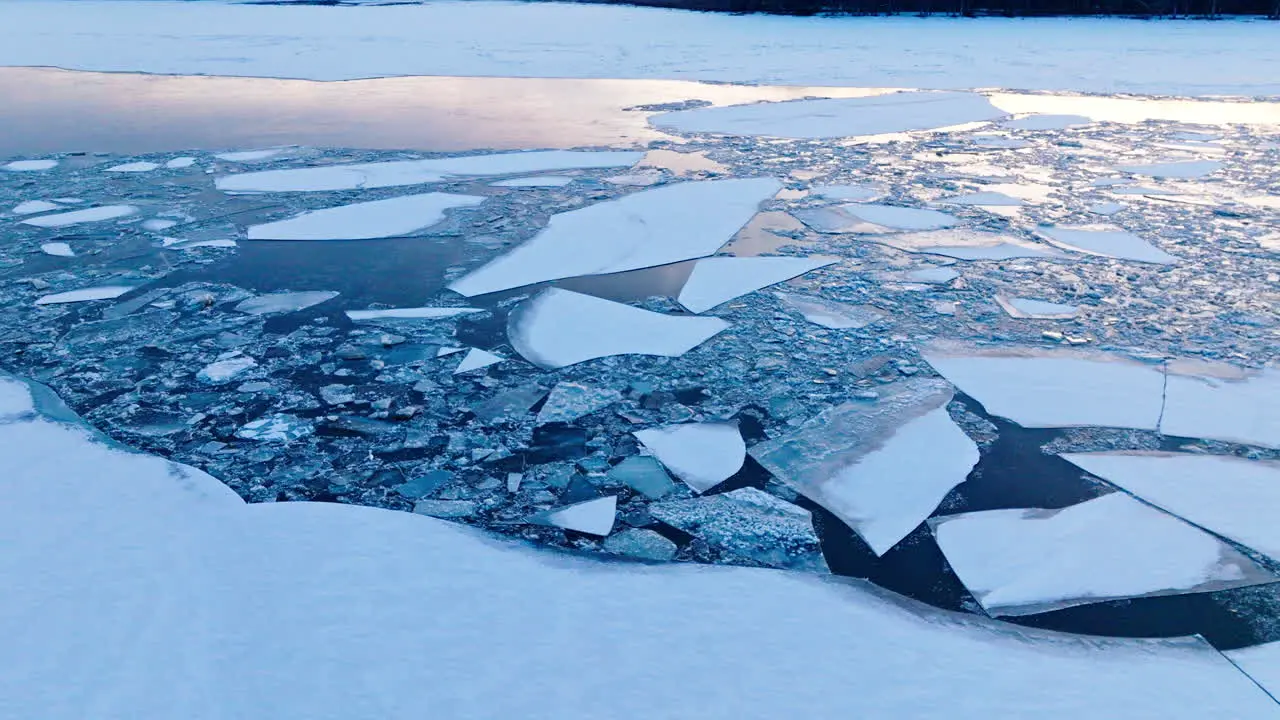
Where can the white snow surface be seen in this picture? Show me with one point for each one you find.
(365, 220)
(416, 313)
(1224, 494)
(719, 279)
(180, 163)
(1021, 562)
(1107, 242)
(557, 328)
(702, 455)
(138, 589)
(1260, 662)
(1244, 410)
(654, 227)
(34, 206)
(101, 292)
(28, 165)
(97, 214)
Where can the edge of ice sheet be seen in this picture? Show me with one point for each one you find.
(365, 220)
(557, 328)
(653, 227)
(718, 280)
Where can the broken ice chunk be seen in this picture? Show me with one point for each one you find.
(703, 455)
(250, 155)
(1021, 562)
(446, 508)
(180, 163)
(881, 467)
(510, 403)
(648, 228)
(158, 224)
(224, 371)
(720, 279)
(1058, 388)
(57, 249)
(1046, 122)
(1039, 309)
(1221, 493)
(640, 544)
(475, 359)
(829, 314)
(932, 275)
(133, 167)
(365, 220)
(994, 199)
(967, 245)
(748, 526)
(1107, 242)
(104, 292)
(97, 214)
(569, 401)
(1192, 169)
(1105, 208)
(284, 302)
(409, 314)
(29, 165)
(594, 517)
(276, 428)
(644, 475)
(1223, 403)
(852, 193)
(537, 181)
(31, 207)
(557, 328)
(873, 219)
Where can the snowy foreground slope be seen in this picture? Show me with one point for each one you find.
(135, 588)
(567, 40)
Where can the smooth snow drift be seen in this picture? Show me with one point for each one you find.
(362, 221)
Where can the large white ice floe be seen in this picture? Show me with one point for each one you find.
(535, 181)
(1183, 169)
(284, 302)
(873, 219)
(1227, 495)
(882, 467)
(396, 173)
(101, 292)
(1107, 242)
(1054, 388)
(29, 165)
(1223, 403)
(839, 117)
(133, 167)
(964, 244)
(829, 313)
(362, 221)
(57, 249)
(97, 214)
(413, 314)
(703, 455)
(720, 279)
(594, 517)
(31, 207)
(123, 572)
(654, 227)
(1022, 562)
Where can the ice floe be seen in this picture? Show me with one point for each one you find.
(31, 207)
(475, 359)
(643, 474)
(831, 314)
(97, 214)
(57, 249)
(362, 221)
(557, 328)
(102, 292)
(1105, 208)
(1226, 495)
(29, 165)
(851, 193)
(180, 163)
(882, 467)
(244, 156)
(992, 199)
(1188, 169)
(1038, 309)
(224, 371)
(133, 167)
(1021, 562)
(594, 517)
(396, 173)
(648, 228)
(839, 117)
(409, 314)
(284, 302)
(1236, 406)
(569, 401)
(278, 428)
(748, 526)
(968, 245)
(641, 544)
(1046, 122)
(1107, 242)
(872, 219)
(720, 279)
(537, 181)
(703, 455)
(1059, 388)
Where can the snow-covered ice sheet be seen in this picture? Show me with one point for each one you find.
(101, 292)
(1233, 497)
(409, 314)
(57, 249)
(703, 455)
(1189, 169)
(97, 214)
(1021, 562)
(180, 163)
(31, 207)
(536, 181)
(557, 328)
(29, 165)
(1239, 407)
(224, 371)
(569, 401)
(1039, 309)
(720, 279)
(1107, 242)
(851, 193)
(882, 467)
(980, 199)
(284, 302)
(133, 167)
(1054, 388)
(645, 229)
(835, 117)
(140, 589)
(1260, 662)
(365, 220)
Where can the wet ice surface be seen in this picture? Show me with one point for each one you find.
(348, 371)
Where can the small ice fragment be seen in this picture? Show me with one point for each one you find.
(103, 292)
(337, 394)
(34, 206)
(513, 481)
(409, 314)
(510, 404)
(446, 508)
(557, 328)
(423, 485)
(365, 220)
(1105, 208)
(224, 371)
(97, 214)
(537, 181)
(1039, 309)
(448, 351)
(276, 428)
(29, 165)
(57, 249)
(641, 544)
(830, 314)
(250, 155)
(476, 359)
(703, 455)
(873, 219)
(284, 302)
(644, 475)
(176, 244)
(881, 467)
(994, 199)
(594, 517)
(133, 167)
(180, 163)
(1107, 242)
(1046, 122)
(569, 401)
(1185, 170)
(851, 193)
(1027, 561)
(932, 275)
(999, 142)
(158, 224)
(748, 526)
(720, 279)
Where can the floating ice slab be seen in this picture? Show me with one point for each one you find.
(748, 525)
(365, 220)
(557, 328)
(1059, 388)
(881, 467)
(224, 371)
(833, 118)
(409, 314)
(932, 275)
(103, 292)
(720, 279)
(537, 181)
(831, 314)
(415, 172)
(276, 428)
(250, 155)
(31, 207)
(476, 359)
(594, 517)
(1191, 169)
(284, 302)
(993, 199)
(133, 167)
(97, 214)
(1037, 309)
(180, 163)
(703, 455)
(644, 475)
(1105, 208)
(648, 228)
(1022, 562)
(29, 165)
(569, 401)
(1224, 494)
(852, 193)
(967, 245)
(57, 249)
(1046, 122)
(873, 219)
(641, 544)
(1241, 407)
(1106, 242)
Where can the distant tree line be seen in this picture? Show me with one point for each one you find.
(974, 8)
